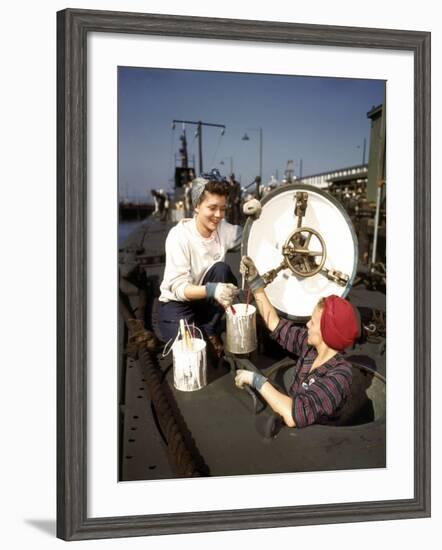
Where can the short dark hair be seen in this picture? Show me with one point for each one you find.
(216, 188)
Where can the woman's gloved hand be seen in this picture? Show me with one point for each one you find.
(247, 268)
(252, 208)
(223, 293)
(253, 379)
(243, 377)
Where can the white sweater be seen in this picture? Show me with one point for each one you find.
(189, 255)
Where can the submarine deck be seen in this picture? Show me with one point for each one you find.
(218, 431)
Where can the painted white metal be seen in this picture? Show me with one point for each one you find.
(294, 295)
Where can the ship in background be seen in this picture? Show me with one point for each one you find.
(164, 433)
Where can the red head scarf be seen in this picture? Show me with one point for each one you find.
(339, 324)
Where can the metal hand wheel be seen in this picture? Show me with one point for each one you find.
(299, 258)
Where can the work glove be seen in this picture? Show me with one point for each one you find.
(253, 379)
(247, 268)
(252, 208)
(223, 293)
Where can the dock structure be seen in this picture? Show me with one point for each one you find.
(134, 210)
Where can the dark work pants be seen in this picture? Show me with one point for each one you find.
(206, 314)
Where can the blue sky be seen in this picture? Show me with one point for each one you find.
(322, 121)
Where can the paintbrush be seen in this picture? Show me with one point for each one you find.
(189, 336)
(184, 335)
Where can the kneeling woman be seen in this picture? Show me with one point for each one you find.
(319, 384)
(198, 285)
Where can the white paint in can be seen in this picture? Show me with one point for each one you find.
(189, 365)
(241, 329)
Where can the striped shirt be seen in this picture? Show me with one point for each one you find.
(318, 396)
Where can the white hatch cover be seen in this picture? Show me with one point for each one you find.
(307, 237)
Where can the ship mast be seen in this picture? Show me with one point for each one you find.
(199, 125)
(183, 150)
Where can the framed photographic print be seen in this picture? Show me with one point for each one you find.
(315, 141)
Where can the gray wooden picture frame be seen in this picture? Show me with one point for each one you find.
(73, 27)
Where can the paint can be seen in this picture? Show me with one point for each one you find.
(241, 329)
(189, 363)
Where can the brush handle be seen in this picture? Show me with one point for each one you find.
(248, 299)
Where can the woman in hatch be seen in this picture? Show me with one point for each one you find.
(198, 285)
(319, 384)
